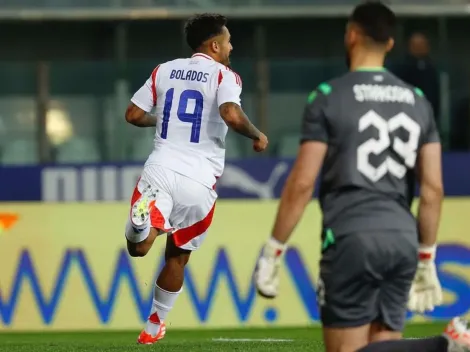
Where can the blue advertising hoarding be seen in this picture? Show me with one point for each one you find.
(259, 178)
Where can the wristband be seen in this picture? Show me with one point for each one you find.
(274, 248)
(427, 252)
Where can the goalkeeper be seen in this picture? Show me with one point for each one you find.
(368, 131)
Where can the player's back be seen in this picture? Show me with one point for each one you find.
(376, 125)
(190, 135)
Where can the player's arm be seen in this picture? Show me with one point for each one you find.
(138, 111)
(138, 117)
(298, 189)
(431, 187)
(236, 119)
(426, 291)
(296, 194)
(299, 186)
(228, 99)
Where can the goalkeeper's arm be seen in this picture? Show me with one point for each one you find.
(426, 291)
(431, 193)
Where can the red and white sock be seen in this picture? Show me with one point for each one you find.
(163, 302)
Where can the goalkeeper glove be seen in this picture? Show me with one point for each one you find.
(426, 291)
(266, 274)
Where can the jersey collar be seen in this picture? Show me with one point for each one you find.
(371, 69)
(202, 55)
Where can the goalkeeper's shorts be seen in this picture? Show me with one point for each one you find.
(366, 277)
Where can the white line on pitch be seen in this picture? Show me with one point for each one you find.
(223, 339)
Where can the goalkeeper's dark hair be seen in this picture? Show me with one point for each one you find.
(376, 20)
(202, 27)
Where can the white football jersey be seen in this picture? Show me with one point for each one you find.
(190, 134)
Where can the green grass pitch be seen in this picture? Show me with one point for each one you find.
(246, 340)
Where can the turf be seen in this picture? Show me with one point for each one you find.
(300, 339)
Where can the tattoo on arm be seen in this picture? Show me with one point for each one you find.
(138, 117)
(149, 120)
(234, 116)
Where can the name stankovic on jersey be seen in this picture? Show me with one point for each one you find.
(383, 93)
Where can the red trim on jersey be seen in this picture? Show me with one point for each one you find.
(154, 85)
(202, 55)
(183, 236)
(238, 79)
(220, 77)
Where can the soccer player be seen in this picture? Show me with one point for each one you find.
(368, 131)
(195, 99)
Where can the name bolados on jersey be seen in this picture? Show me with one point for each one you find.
(186, 95)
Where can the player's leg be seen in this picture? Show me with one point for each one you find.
(380, 332)
(347, 293)
(168, 287)
(385, 334)
(191, 216)
(394, 291)
(151, 205)
(345, 339)
(433, 344)
(141, 248)
(456, 338)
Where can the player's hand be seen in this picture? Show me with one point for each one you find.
(259, 145)
(267, 269)
(426, 290)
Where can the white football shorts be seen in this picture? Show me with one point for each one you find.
(183, 207)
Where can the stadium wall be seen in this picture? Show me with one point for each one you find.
(65, 267)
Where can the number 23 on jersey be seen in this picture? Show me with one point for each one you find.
(407, 151)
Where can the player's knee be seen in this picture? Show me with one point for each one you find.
(349, 348)
(177, 262)
(137, 249)
(381, 332)
(345, 339)
(346, 347)
(175, 255)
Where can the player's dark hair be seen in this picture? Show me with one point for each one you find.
(376, 20)
(202, 27)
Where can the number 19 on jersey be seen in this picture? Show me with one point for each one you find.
(193, 118)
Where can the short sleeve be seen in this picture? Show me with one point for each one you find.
(314, 126)
(431, 134)
(146, 97)
(229, 87)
